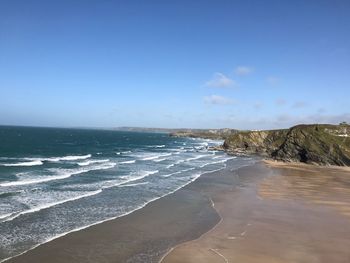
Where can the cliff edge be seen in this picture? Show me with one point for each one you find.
(323, 144)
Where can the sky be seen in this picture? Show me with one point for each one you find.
(195, 64)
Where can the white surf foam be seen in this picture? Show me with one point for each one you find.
(128, 162)
(220, 161)
(63, 174)
(67, 158)
(92, 162)
(156, 146)
(153, 157)
(195, 177)
(170, 165)
(32, 163)
(159, 160)
(178, 172)
(195, 158)
(5, 215)
(131, 178)
(45, 206)
(130, 185)
(57, 159)
(149, 158)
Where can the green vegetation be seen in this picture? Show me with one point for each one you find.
(216, 134)
(317, 143)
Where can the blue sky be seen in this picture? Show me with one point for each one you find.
(201, 64)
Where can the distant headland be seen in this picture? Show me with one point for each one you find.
(322, 144)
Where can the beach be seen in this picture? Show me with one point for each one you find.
(295, 213)
(266, 212)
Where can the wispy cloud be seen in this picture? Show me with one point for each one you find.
(281, 102)
(218, 100)
(273, 81)
(283, 120)
(299, 105)
(219, 80)
(290, 120)
(258, 105)
(243, 70)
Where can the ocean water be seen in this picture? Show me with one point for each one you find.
(55, 181)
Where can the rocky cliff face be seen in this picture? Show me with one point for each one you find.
(321, 144)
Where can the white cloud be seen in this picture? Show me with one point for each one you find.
(218, 100)
(219, 80)
(243, 70)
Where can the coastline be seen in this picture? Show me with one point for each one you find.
(272, 211)
(295, 213)
(196, 216)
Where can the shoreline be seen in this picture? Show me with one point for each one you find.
(297, 213)
(37, 249)
(202, 221)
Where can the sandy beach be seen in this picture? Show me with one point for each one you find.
(267, 212)
(296, 213)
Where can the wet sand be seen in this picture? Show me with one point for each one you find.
(142, 236)
(267, 212)
(295, 213)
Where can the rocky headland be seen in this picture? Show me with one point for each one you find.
(322, 144)
(215, 134)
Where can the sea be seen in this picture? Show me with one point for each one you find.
(54, 181)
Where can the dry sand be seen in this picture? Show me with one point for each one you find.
(298, 213)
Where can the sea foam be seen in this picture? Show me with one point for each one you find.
(61, 174)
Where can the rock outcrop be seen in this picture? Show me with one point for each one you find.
(322, 144)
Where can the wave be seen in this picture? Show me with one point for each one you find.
(130, 185)
(178, 172)
(67, 158)
(35, 161)
(159, 160)
(129, 179)
(170, 165)
(5, 215)
(128, 162)
(221, 161)
(32, 163)
(153, 157)
(150, 158)
(195, 158)
(156, 146)
(66, 174)
(92, 162)
(38, 208)
(195, 177)
(11, 193)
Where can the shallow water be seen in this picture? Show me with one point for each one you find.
(54, 181)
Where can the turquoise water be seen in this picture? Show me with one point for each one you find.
(54, 181)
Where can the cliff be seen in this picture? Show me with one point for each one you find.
(318, 143)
